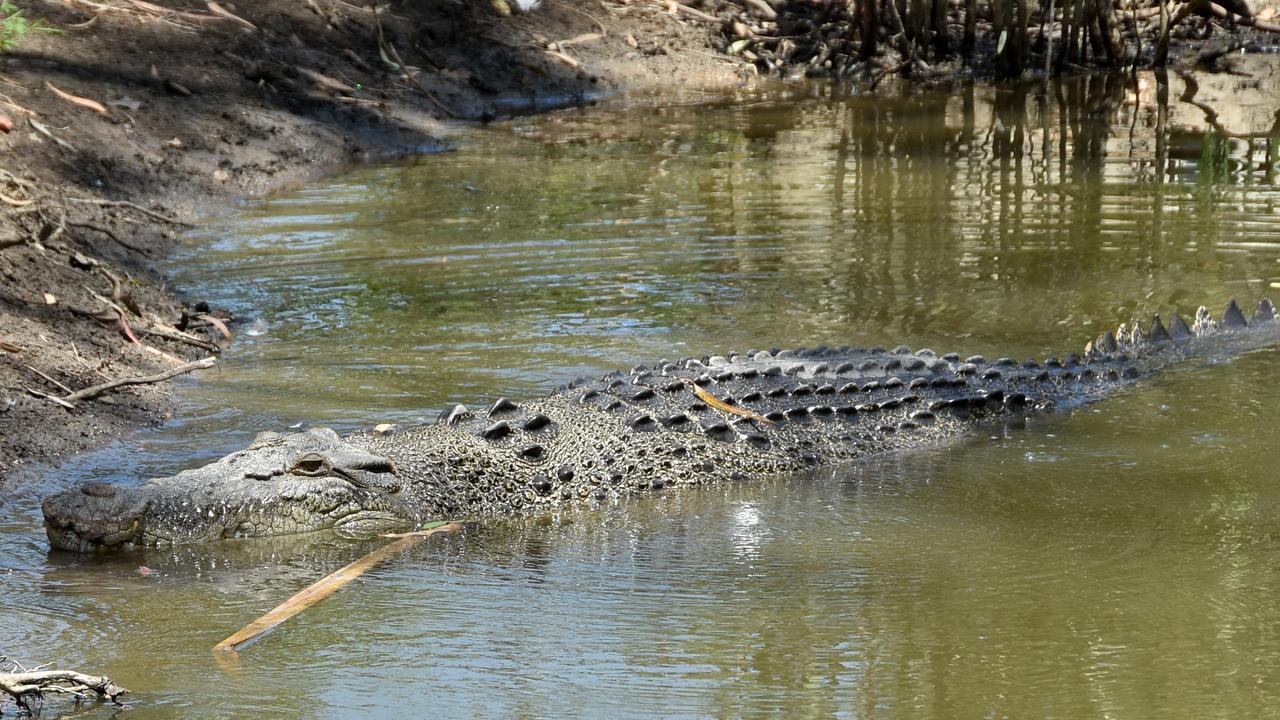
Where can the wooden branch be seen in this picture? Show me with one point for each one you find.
(672, 7)
(108, 233)
(323, 588)
(1223, 14)
(96, 390)
(125, 203)
(51, 398)
(29, 685)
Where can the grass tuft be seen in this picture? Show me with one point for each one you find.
(13, 25)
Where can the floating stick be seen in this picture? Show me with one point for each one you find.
(227, 650)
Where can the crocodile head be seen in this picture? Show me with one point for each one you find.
(281, 484)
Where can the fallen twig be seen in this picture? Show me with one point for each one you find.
(15, 106)
(44, 130)
(96, 390)
(323, 588)
(217, 9)
(125, 203)
(1222, 13)
(673, 6)
(108, 233)
(52, 398)
(61, 387)
(156, 327)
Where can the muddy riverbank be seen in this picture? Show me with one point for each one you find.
(133, 121)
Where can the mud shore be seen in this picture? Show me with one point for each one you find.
(135, 121)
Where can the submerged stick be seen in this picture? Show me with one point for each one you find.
(323, 588)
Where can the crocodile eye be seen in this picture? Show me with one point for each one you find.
(310, 464)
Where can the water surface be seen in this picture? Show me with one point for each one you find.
(1118, 562)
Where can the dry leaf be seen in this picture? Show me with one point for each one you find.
(631, 40)
(50, 299)
(83, 102)
(128, 331)
(6, 123)
(566, 59)
(383, 428)
(10, 347)
(222, 327)
(721, 405)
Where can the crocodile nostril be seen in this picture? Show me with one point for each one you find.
(98, 489)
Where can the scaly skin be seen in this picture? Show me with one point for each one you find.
(625, 433)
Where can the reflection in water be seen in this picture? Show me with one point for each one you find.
(1117, 562)
(1006, 218)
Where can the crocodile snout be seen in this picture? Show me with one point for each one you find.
(94, 516)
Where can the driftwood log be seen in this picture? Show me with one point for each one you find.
(28, 688)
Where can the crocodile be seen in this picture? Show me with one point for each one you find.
(675, 423)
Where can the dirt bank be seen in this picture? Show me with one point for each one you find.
(136, 119)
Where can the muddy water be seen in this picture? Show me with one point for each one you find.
(1117, 562)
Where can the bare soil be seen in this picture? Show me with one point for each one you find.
(139, 118)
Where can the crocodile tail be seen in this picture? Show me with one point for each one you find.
(1230, 333)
